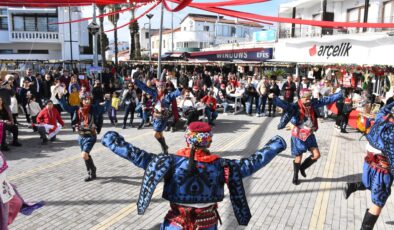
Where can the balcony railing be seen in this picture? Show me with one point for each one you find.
(37, 36)
(311, 31)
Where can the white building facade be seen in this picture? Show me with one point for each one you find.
(30, 34)
(198, 31)
(307, 44)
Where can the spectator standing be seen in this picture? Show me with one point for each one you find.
(130, 101)
(273, 88)
(263, 90)
(46, 87)
(289, 89)
(115, 102)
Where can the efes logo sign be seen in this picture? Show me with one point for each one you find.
(328, 51)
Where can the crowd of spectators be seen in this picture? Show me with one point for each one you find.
(36, 96)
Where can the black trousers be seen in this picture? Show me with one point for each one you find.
(13, 129)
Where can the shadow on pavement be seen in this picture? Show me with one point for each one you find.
(121, 179)
(348, 178)
(279, 193)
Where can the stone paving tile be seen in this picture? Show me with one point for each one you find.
(275, 203)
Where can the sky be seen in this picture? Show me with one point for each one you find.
(267, 8)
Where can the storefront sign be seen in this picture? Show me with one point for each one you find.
(354, 49)
(264, 36)
(256, 54)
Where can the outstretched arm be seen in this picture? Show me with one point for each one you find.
(327, 100)
(281, 103)
(65, 106)
(145, 88)
(120, 147)
(262, 157)
(383, 112)
(100, 108)
(171, 96)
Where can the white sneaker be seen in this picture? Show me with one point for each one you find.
(257, 115)
(262, 115)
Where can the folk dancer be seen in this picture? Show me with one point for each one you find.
(378, 170)
(194, 178)
(86, 119)
(163, 101)
(303, 117)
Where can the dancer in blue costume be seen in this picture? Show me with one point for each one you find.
(378, 169)
(86, 117)
(194, 178)
(163, 101)
(303, 117)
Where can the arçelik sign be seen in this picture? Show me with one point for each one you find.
(328, 51)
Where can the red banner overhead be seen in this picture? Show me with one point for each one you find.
(325, 24)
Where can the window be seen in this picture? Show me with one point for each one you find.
(146, 35)
(184, 28)
(6, 52)
(33, 52)
(388, 12)
(34, 22)
(206, 28)
(233, 31)
(164, 44)
(3, 19)
(355, 14)
(18, 23)
(3, 23)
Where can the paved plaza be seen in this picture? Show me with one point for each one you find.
(55, 173)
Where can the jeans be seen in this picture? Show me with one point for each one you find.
(271, 106)
(249, 104)
(262, 103)
(225, 106)
(211, 114)
(129, 109)
(112, 115)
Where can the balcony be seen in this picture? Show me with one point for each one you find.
(34, 36)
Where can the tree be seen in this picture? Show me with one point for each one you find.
(102, 35)
(132, 43)
(114, 20)
(137, 52)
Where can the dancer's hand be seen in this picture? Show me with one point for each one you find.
(271, 95)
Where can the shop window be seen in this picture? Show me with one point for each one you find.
(206, 28)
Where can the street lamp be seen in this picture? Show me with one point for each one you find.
(94, 28)
(150, 16)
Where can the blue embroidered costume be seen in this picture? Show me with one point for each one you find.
(86, 118)
(194, 179)
(161, 109)
(303, 117)
(378, 169)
